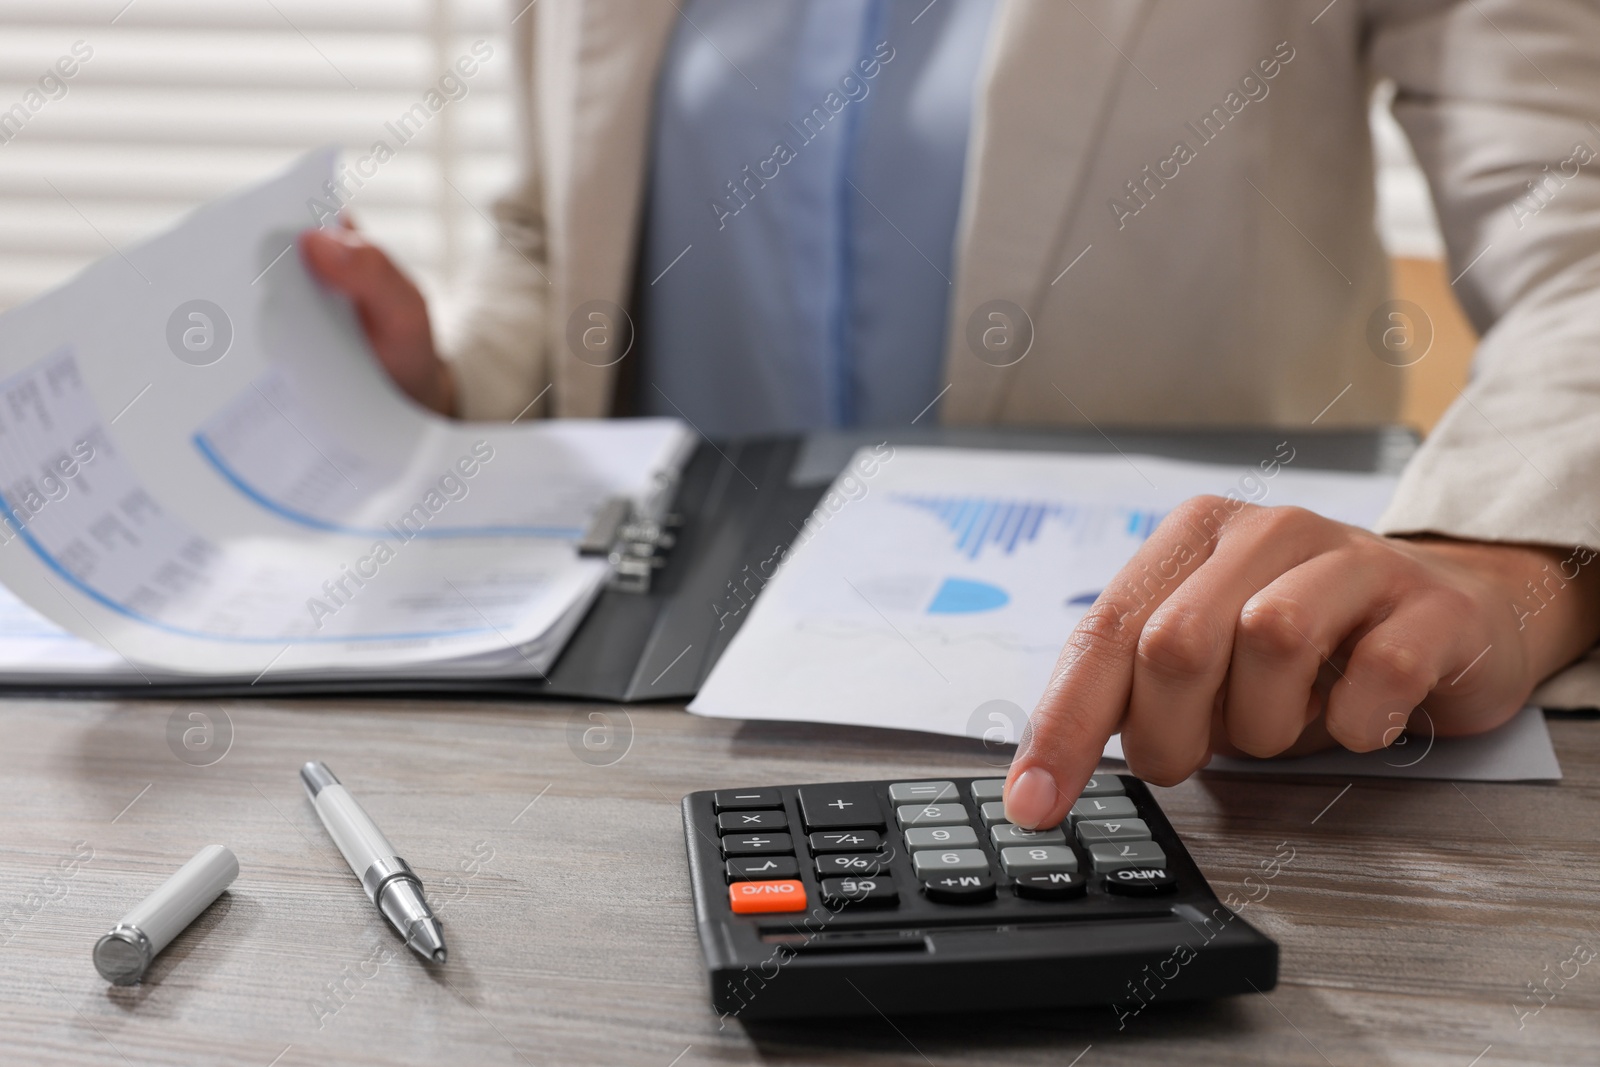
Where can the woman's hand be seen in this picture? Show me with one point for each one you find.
(393, 313)
(1266, 631)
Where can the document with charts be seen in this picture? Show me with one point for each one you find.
(935, 592)
(204, 472)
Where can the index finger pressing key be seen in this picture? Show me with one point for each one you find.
(1088, 692)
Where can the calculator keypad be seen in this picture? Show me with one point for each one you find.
(932, 901)
(961, 848)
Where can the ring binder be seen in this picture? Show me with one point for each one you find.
(633, 544)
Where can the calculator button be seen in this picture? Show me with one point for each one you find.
(754, 898)
(1104, 808)
(1026, 859)
(837, 892)
(845, 841)
(1052, 885)
(747, 799)
(1093, 831)
(1114, 857)
(922, 792)
(1140, 881)
(832, 807)
(748, 868)
(731, 821)
(940, 837)
(959, 888)
(1005, 834)
(988, 789)
(994, 811)
(931, 815)
(842, 863)
(1103, 785)
(933, 862)
(752, 844)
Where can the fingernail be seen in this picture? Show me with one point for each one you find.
(342, 245)
(323, 253)
(1030, 798)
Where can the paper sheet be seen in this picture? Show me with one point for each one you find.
(203, 469)
(934, 588)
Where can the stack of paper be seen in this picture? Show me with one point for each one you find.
(203, 472)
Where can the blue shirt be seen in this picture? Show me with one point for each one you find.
(801, 214)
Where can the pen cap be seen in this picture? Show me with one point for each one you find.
(123, 955)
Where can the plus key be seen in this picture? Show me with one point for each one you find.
(830, 807)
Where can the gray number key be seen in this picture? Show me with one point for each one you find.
(1114, 857)
(1104, 808)
(1103, 785)
(931, 815)
(931, 862)
(1006, 834)
(1020, 859)
(940, 837)
(1095, 831)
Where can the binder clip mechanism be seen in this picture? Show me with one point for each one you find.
(635, 545)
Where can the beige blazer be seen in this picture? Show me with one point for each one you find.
(1176, 199)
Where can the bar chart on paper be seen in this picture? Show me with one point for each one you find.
(980, 523)
(955, 579)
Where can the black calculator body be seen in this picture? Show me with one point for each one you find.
(856, 898)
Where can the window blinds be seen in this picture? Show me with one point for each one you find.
(171, 103)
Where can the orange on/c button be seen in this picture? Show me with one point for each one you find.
(753, 898)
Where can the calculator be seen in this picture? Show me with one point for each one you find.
(859, 898)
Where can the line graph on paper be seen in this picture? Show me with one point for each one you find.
(981, 524)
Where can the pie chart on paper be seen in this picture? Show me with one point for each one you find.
(966, 596)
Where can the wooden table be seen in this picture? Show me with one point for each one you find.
(1412, 916)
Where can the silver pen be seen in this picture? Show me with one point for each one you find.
(389, 881)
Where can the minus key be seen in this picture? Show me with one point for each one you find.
(748, 799)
